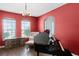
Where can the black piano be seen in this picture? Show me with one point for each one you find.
(53, 48)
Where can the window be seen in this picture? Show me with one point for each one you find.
(25, 25)
(49, 24)
(9, 28)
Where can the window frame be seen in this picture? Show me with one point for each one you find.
(29, 28)
(6, 18)
(53, 19)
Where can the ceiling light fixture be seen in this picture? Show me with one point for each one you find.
(25, 12)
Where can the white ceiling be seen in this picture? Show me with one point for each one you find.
(36, 9)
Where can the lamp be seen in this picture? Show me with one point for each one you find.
(25, 12)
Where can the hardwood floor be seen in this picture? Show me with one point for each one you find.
(20, 51)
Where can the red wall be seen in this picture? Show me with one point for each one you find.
(18, 18)
(66, 25)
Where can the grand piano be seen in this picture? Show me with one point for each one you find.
(43, 44)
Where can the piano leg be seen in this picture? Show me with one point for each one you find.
(37, 53)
